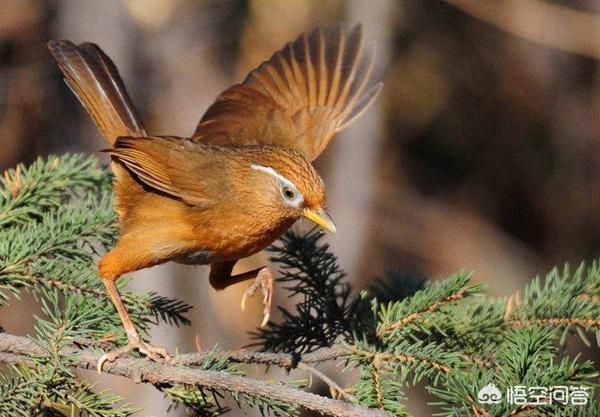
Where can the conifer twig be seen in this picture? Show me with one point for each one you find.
(334, 388)
(377, 357)
(17, 349)
(556, 322)
(431, 308)
(477, 361)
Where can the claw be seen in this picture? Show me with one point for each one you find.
(111, 356)
(264, 281)
(250, 291)
(266, 315)
(152, 352)
(243, 302)
(101, 361)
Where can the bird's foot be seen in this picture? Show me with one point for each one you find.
(264, 281)
(155, 353)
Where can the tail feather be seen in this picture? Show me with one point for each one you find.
(95, 81)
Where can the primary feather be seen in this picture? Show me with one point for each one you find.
(313, 88)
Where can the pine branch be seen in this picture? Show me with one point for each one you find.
(378, 389)
(527, 357)
(564, 300)
(585, 323)
(61, 217)
(335, 390)
(327, 310)
(423, 357)
(425, 302)
(283, 360)
(66, 233)
(56, 218)
(142, 370)
(26, 193)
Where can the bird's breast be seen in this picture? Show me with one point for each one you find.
(233, 235)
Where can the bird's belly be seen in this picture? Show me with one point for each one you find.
(196, 257)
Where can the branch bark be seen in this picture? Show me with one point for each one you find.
(282, 360)
(18, 350)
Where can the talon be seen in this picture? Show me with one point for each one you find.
(111, 356)
(250, 291)
(265, 319)
(152, 352)
(101, 361)
(264, 281)
(243, 302)
(155, 353)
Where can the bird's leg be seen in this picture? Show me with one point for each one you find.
(220, 278)
(264, 281)
(135, 340)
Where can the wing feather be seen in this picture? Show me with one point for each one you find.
(311, 89)
(336, 45)
(174, 166)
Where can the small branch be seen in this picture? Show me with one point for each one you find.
(50, 282)
(379, 356)
(377, 380)
(17, 349)
(585, 323)
(523, 408)
(478, 361)
(334, 388)
(430, 309)
(477, 410)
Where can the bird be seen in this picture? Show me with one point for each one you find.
(240, 180)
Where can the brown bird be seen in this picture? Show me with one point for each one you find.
(243, 177)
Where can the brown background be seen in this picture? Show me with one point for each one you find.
(483, 152)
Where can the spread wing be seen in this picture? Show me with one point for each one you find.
(175, 166)
(300, 98)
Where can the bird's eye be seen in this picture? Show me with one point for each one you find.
(289, 193)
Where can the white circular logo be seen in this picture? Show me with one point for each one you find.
(489, 394)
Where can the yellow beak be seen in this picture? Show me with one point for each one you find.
(320, 217)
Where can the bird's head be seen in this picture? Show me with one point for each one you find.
(290, 185)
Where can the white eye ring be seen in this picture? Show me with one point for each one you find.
(288, 193)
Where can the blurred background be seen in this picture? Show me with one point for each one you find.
(482, 153)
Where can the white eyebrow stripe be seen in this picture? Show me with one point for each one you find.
(272, 172)
(299, 199)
